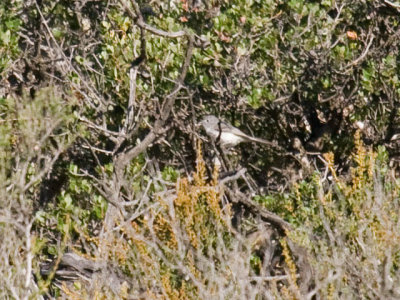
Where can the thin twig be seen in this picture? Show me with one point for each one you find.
(65, 58)
(272, 278)
(136, 15)
(395, 5)
(362, 56)
(127, 156)
(132, 96)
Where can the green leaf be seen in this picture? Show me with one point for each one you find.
(170, 174)
(52, 250)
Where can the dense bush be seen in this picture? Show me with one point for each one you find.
(107, 191)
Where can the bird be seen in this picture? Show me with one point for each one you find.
(226, 134)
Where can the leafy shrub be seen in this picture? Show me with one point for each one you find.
(349, 226)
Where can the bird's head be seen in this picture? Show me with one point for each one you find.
(208, 120)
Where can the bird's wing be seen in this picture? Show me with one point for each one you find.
(225, 127)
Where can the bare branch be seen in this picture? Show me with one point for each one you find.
(395, 5)
(127, 156)
(137, 15)
(362, 56)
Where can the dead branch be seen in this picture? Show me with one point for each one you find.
(122, 159)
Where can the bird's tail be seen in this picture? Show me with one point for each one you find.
(262, 141)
